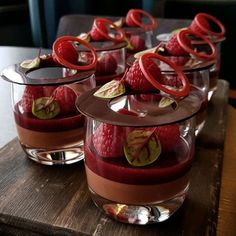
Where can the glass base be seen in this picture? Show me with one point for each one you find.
(140, 214)
(68, 155)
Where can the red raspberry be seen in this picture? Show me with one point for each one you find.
(169, 135)
(66, 98)
(195, 28)
(174, 48)
(136, 80)
(106, 65)
(109, 140)
(95, 34)
(68, 52)
(129, 21)
(138, 43)
(178, 60)
(30, 94)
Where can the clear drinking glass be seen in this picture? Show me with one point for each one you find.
(50, 128)
(138, 154)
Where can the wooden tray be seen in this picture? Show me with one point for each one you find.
(54, 200)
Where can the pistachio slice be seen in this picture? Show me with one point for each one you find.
(165, 102)
(129, 46)
(45, 108)
(142, 147)
(31, 63)
(111, 89)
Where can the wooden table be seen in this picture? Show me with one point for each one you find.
(54, 200)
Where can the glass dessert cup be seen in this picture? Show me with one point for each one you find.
(197, 72)
(50, 129)
(215, 69)
(138, 26)
(108, 40)
(148, 184)
(111, 60)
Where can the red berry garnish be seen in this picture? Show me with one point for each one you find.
(106, 64)
(132, 14)
(136, 80)
(96, 33)
(134, 19)
(67, 51)
(30, 94)
(172, 81)
(169, 136)
(195, 28)
(173, 47)
(66, 98)
(100, 31)
(137, 43)
(202, 24)
(109, 140)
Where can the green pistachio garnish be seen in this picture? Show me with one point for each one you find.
(142, 147)
(45, 108)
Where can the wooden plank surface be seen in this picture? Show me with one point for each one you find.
(54, 200)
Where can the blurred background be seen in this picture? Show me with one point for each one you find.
(34, 23)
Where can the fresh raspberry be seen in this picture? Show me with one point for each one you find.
(106, 65)
(174, 48)
(68, 52)
(136, 80)
(195, 28)
(129, 21)
(66, 98)
(169, 135)
(138, 43)
(30, 94)
(109, 140)
(95, 34)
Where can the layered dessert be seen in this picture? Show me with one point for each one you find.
(109, 42)
(212, 29)
(49, 126)
(138, 26)
(195, 64)
(139, 148)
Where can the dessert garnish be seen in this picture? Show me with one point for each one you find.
(68, 56)
(134, 19)
(142, 147)
(202, 24)
(31, 63)
(112, 89)
(145, 76)
(100, 31)
(45, 108)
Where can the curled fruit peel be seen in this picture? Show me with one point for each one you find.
(146, 27)
(204, 16)
(142, 147)
(181, 36)
(184, 91)
(45, 108)
(110, 24)
(62, 61)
